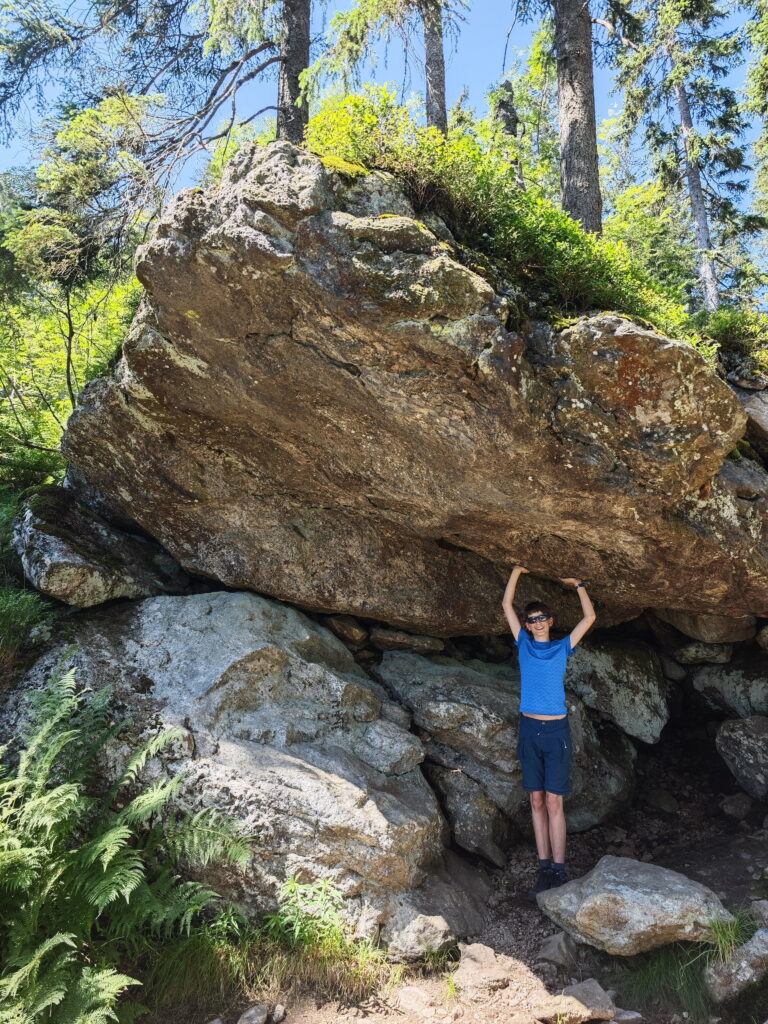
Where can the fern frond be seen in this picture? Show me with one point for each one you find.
(140, 757)
(197, 840)
(122, 879)
(105, 846)
(29, 966)
(93, 997)
(149, 803)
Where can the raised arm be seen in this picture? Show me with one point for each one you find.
(579, 631)
(509, 595)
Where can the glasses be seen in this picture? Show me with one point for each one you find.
(536, 618)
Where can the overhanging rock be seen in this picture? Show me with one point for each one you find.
(318, 401)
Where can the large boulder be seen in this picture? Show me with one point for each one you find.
(743, 745)
(624, 906)
(741, 686)
(282, 730)
(467, 717)
(68, 551)
(318, 401)
(624, 680)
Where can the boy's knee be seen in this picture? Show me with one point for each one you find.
(538, 801)
(554, 803)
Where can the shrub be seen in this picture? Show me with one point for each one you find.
(90, 882)
(519, 236)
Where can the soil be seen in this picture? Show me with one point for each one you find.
(693, 836)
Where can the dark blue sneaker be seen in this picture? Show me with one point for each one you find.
(543, 882)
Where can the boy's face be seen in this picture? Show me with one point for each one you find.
(538, 625)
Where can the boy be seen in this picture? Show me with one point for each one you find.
(544, 744)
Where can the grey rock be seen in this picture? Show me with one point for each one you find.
(741, 686)
(748, 965)
(624, 680)
(254, 1015)
(278, 1014)
(736, 806)
(480, 970)
(558, 949)
(743, 745)
(282, 730)
(450, 904)
(69, 552)
(478, 825)
(594, 998)
(710, 628)
(759, 910)
(671, 668)
(627, 1017)
(399, 640)
(699, 653)
(624, 906)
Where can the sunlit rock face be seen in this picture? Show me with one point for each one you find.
(319, 402)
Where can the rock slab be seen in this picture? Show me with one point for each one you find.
(625, 907)
(282, 730)
(318, 401)
(743, 745)
(71, 553)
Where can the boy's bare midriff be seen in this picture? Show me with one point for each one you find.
(543, 718)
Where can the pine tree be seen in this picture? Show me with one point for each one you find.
(292, 109)
(354, 32)
(692, 122)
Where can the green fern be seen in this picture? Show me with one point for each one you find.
(88, 881)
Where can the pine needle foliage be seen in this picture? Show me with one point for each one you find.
(90, 880)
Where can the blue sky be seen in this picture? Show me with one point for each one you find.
(475, 60)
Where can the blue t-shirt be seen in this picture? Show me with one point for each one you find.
(542, 674)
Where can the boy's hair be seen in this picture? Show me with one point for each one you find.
(536, 606)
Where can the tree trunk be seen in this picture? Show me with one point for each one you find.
(579, 178)
(294, 51)
(698, 206)
(505, 115)
(434, 63)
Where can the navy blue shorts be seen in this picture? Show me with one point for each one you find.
(545, 752)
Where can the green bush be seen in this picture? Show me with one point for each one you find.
(742, 331)
(519, 236)
(90, 881)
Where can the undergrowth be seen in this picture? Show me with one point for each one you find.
(671, 978)
(89, 880)
(21, 607)
(518, 236)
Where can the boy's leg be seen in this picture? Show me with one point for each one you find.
(555, 812)
(541, 827)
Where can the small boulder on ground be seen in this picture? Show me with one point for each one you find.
(743, 745)
(480, 970)
(748, 964)
(624, 906)
(736, 806)
(585, 1001)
